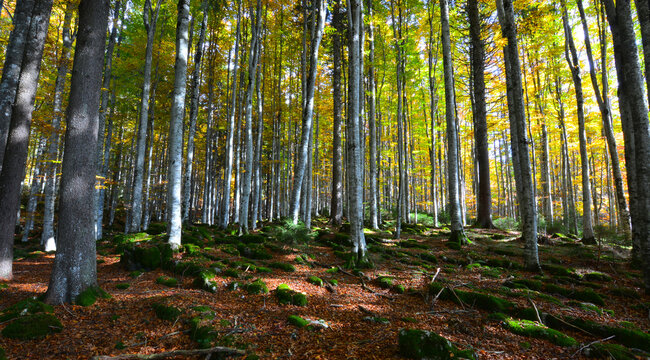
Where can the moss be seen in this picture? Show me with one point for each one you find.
(412, 243)
(557, 270)
(341, 239)
(297, 321)
(135, 274)
(230, 249)
(385, 282)
(120, 345)
(429, 257)
(233, 286)
(287, 296)
(491, 272)
(122, 286)
(629, 337)
(263, 270)
(233, 273)
(315, 280)
(503, 263)
(400, 289)
(597, 276)
(157, 228)
(252, 239)
(257, 287)
(624, 292)
(254, 251)
(332, 270)
(479, 300)
(453, 245)
(609, 351)
(533, 329)
(334, 282)
(422, 344)
(410, 320)
(32, 327)
(167, 281)
(202, 332)
(25, 307)
(164, 312)
(524, 284)
(90, 295)
(587, 295)
(282, 266)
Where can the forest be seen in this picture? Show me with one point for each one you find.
(314, 179)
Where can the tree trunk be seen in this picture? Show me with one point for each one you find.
(457, 233)
(12, 67)
(336, 206)
(303, 153)
(175, 159)
(194, 111)
(75, 266)
(13, 169)
(519, 142)
(571, 55)
(372, 124)
(484, 197)
(643, 11)
(355, 23)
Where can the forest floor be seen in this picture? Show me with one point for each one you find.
(420, 282)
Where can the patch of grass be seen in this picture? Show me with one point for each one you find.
(33, 326)
(167, 281)
(533, 329)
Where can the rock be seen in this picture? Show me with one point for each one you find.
(422, 344)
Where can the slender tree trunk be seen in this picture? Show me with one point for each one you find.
(519, 143)
(308, 111)
(571, 55)
(13, 168)
(75, 265)
(372, 124)
(34, 188)
(175, 159)
(230, 137)
(12, 67)
(336, 206)
(47, 236)
(457, 233)
(150, 17)
(643, 11)
(194, 111)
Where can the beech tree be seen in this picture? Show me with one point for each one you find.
(75, 264)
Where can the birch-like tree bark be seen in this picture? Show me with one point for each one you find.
(75, 264)
(336, 205)
(175, 156)
(372, 124)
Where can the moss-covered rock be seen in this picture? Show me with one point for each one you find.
(536, 330)
(25, 307)
(400, 289)
(202, 331)
(164, 312)
(608, 351)
(287, 296)
(478, 300)
(597, 276)
(588, 295)
(422, 344)
(429, 257)
(167, 281)
(205, 280)
(254, 251)
(315, 280)
(297, 321)
(33, 326)
(282, 266)
(629, 337)
(90, 295)
(233, 273)
(385, 282)
(524, 284)
(145, 255)
(257, 287)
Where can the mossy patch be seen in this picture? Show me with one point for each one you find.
(557, 270)
(89, 296)
(167, 281)
(122, 286)
(315, 280)
(282, 266)
(287, 296)
(297, 321)
(164, 312)
(25, 307)
(629, 337)
(536, 330)
(609, 351)
(385, 282)
(202, 331)
(597, 276)
(257, 287)
(588, 295)
(33, 326)
(254, 251)
(478, 300)
(422, 344)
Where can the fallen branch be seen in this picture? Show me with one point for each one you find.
(167, 354)
(434, 276)
(536, 311)
(591, 343)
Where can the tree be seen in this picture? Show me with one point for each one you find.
(75, 265)
(355, 24)
(308, 112)
(175, 161)
(457, 233)
(636, 126)
(484, 196)
(372, 124)
(15, 157)
(150, 18)
(519, 142)
(571, 55)
(336, 205)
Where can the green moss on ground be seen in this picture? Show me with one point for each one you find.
(478, 300)
(122, 286)
(90, 295)
(257, 287)
(315, 280)
(385, 282)
(287, 296)
(25, 307)
(536, 330)
(629, 337)
(202, 332)
(297, 321)
(33, 326)
(597, 276)
(609, 351)
(282, 266)
(167, 281)
(422, 344)
(164, 312)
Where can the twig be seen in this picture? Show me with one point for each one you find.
(436, 297)
(174, 333)
(434, 276)
(367, 311)
(571, 325)
(69, 312)
(174, 353)
(459, 300)
(591, 343)
(536, 311)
